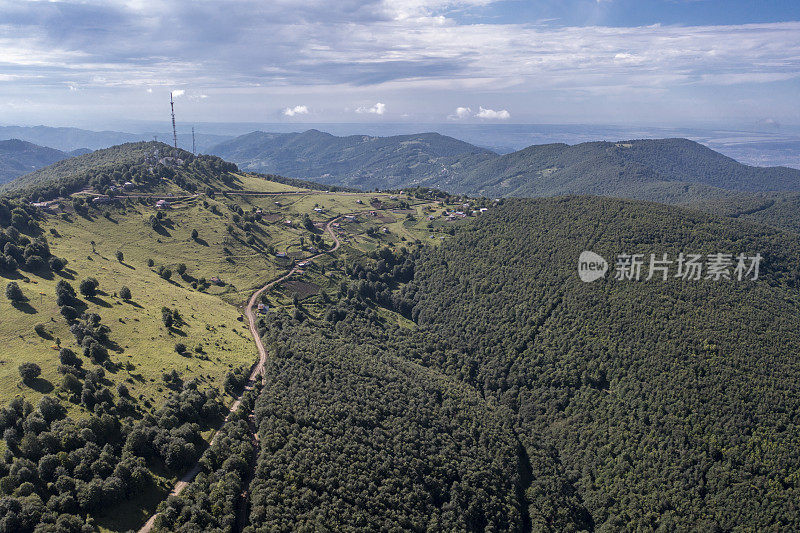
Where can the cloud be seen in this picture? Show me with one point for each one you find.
(460, 113)
(296, 110)
(377, 109)
(342, 50)
(178, 93)
(491, 114)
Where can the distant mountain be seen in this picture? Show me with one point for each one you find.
(68, 139)
(20, 157)
(664, 170)
(356, 160)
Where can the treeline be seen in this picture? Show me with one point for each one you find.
(22, 243)
(305, 184)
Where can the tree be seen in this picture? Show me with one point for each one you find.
(88, 287)
(120, 256)
(125, 293)
(29, 372)
(180, 348)
(166, 317)
(195, 235)
(14, 293)
(57, 264)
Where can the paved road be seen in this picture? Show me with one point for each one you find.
(258, 369)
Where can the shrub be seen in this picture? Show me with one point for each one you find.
(29, 371)
(120, 256)
(166, 273)
(195, 235)
(41, 330)
(69, 312)
(150, 263)
(57, 264)
(14, 293)
(125, 293)
(180, 348)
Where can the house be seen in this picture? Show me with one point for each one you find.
(287, 222)
(280, 255)
(278, 204)
(263, 309)
(359, 202)
(99, 200)
(128, 185)
(259, 212)
(318, 209)
(162, 204)
(484, 209)
(385, 230)
(215, 280)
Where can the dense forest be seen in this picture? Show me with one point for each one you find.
(520, 397)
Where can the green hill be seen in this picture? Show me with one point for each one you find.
(20, 157)
(663, 170)
(675, 171)
(146, 165)
(354, 161)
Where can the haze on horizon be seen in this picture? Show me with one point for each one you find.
(666, 62)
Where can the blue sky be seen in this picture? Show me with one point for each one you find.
(649, 62)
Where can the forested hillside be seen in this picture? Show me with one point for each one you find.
(353, 161)
(146, 165)
(656, 405)
(20, 157)
(675, 171)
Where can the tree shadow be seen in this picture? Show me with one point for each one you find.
(161, 230)
(178, 332)
(123, 263)
(66, 275)
(201, 241)
(25, 307)
(98, 301)
(134, 304)
(41, 385)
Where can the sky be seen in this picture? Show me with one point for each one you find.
(651, 62)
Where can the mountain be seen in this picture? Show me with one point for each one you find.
(69, 139)
(664, 170)
(20, 157)
(354, 161)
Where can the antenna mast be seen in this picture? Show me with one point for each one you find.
(193, 150)
(174, 131)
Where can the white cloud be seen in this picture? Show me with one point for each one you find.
(460, 113)
(377, 109)
(178, 93)
(491, 114)
(296, 110)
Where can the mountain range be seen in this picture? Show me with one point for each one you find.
(666, 170)
(21, 157)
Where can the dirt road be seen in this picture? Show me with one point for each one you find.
(258, 369)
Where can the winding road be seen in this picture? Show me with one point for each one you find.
(258, 368)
